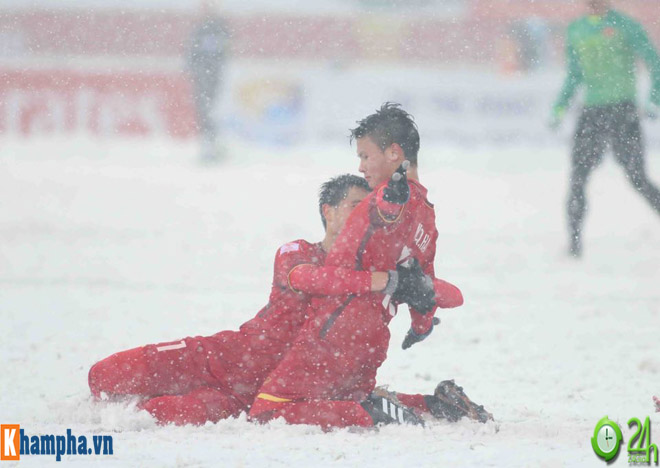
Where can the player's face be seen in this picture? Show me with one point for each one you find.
(376, 165)
(337, 215)
(598, 7)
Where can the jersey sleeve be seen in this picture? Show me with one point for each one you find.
(297, 269)
(573, 78)
(447, 296)
(644, 49)
(287, 258)
(328, 281)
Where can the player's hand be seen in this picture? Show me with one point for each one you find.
(652, 110)
(397, 190)
(556, 117)
(412, 337)
(413, 287)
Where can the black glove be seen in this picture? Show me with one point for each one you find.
(410, 285)
(397, 190)
(412, 337)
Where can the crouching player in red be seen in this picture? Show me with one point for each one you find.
(199, 379)
(328, 376)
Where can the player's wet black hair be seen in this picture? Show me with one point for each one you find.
(390, 124)
(336, 189)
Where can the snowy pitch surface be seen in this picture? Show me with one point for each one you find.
(106, 246)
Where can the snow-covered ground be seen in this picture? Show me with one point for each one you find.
(110, 245)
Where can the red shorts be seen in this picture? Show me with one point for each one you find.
(234, 362)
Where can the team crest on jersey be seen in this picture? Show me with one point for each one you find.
(422, 239)
(290, 247)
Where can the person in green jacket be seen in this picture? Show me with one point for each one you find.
(601, 49)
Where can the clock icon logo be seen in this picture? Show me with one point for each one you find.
(607, 439)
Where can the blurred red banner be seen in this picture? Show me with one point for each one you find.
(118, 103)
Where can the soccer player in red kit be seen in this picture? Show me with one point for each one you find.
(208, 378)
(199, 379)
(329, 374)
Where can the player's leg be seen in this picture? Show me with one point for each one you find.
(123, 373)
(241, 362)
(628, 147)
(331, 367)
(324, 413)
(378, 408)
(336, 356)
(196, 407)
(589, 143)
(200, 100)
(448, 401)
(415, 401)
(167, 368)
(208, 84)
(656, 401)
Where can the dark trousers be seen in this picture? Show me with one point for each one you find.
(205, 89)
(616, 125)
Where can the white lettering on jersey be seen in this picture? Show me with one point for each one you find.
(421, 238)
(179, 345)
(290, 247)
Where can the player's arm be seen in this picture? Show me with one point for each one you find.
(423, 306)
(644, 48)
(330, 281)
(447, 296)
(295, 269)
(573, 79)
(422, 320)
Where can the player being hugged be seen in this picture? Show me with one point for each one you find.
(328, 377)
(199, 379)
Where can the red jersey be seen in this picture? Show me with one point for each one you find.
(243, 359)
(338, 351)
(286, 310)
(298, 275)
(378, 235)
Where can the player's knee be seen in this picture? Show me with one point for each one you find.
(116, 373)
(95, 378)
